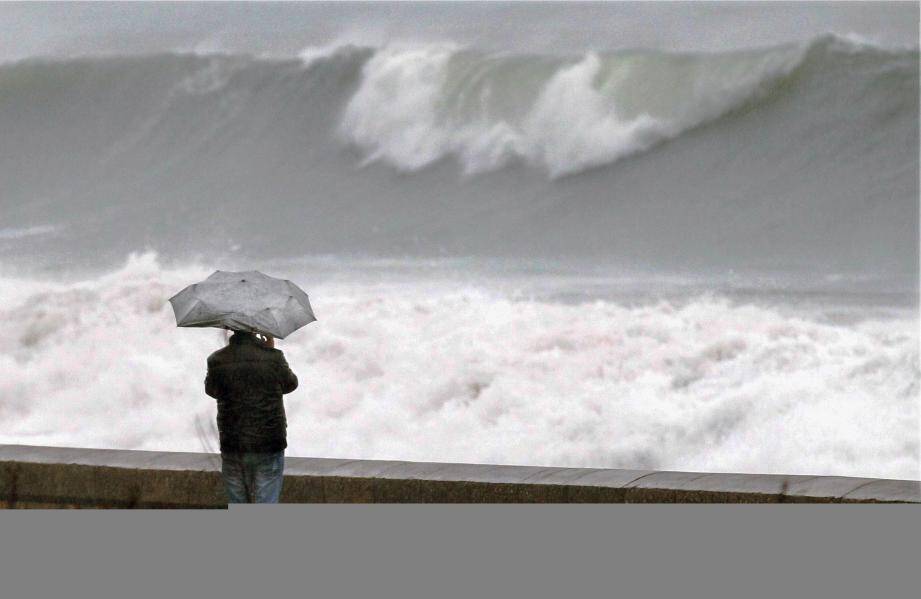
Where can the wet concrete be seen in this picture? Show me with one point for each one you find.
(60, 477)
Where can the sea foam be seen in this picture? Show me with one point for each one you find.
(454, 371)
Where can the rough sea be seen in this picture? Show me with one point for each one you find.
(599, 236)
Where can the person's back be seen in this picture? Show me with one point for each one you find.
(248, 379)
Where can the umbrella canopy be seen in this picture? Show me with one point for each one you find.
(243, 301)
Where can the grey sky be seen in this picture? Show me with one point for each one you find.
(28, 29)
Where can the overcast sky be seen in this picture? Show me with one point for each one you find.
(28, 29)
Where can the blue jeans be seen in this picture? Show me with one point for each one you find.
(253, 477)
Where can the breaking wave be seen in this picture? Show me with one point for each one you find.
(417, 105)
(795, 156)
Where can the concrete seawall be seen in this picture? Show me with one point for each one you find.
(59, 477)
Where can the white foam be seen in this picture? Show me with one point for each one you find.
(413, 108)
(573, 126)
(212, 77)
(452, 372)
(22, 232)
(853, 43)
(311, 55)
(394, 112)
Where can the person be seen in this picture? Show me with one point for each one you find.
(248, 378)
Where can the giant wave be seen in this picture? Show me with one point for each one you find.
(788, 157)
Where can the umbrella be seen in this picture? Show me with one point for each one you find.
(243, 301)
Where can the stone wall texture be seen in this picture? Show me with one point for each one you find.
(63, 477)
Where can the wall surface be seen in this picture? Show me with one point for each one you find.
(62, 477)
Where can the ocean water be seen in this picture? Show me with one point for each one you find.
(649, 254)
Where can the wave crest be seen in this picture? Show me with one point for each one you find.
(780, 156)
(416, 106)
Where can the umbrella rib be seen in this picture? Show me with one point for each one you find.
(275, 320)
(192, 307)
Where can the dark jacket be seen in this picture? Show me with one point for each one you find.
(248, 380)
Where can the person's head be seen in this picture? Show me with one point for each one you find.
(242, 336)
